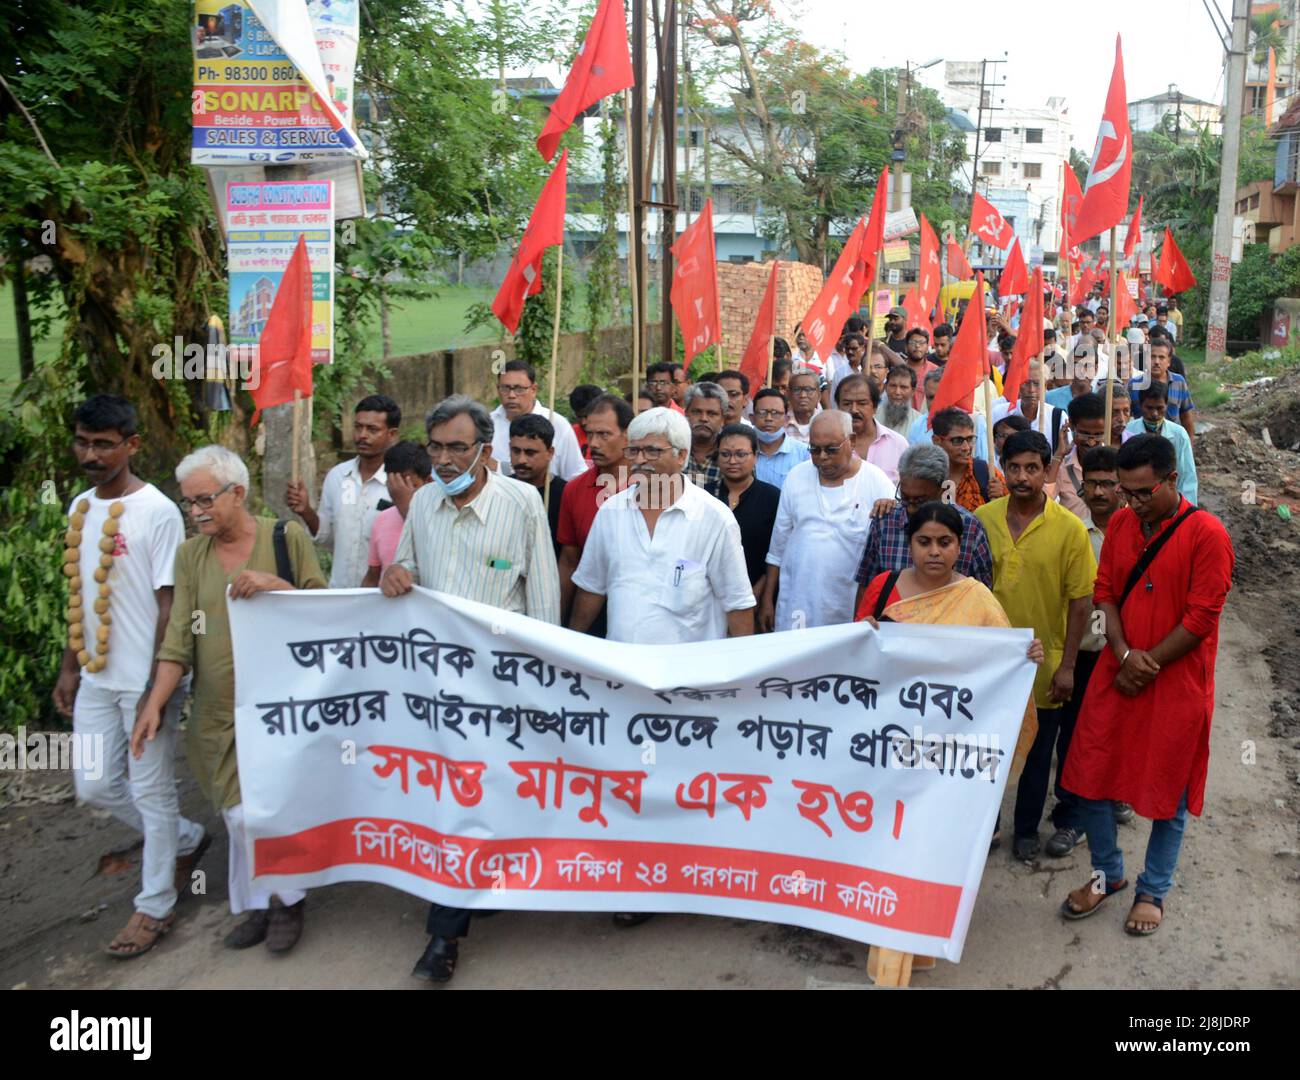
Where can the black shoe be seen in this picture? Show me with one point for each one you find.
(1025, 847)
(250, 932)
(438, 964)
(1123, 812)
(284, 925)
(625, 920)
(1063, 841)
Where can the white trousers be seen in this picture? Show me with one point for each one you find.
(245, 893)
(140, 794)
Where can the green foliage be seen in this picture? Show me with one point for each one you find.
(35, 594)
(1258, 280)
(603, 293)
(537, 324)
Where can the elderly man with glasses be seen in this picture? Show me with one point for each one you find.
(821, 526)
(922, 474)
(482, 536)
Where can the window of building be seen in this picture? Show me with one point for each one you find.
(697, 200)
(1033, 135)
(992, 134)
(990, 168)
(1033, 170)
(741, 204)
(695, 136)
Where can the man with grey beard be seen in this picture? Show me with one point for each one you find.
(896, 411)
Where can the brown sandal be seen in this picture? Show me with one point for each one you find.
(140, 935)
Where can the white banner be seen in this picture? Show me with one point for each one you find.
(837, 778)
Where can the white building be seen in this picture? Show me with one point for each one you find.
(1184, 111)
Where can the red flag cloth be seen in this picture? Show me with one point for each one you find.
(1083, 286)
(1174, 275)
(284, 349)
(1012, 308)
(1134, 236)
(917, 312)
(1014, 279)
(545, 229)
(602, 67)
(1069, 212)
(958, 267)
(968, 359)
(755, 363)
(836, 301)
(1125, 306)
(1155, 273)
(1029, 339)
(694, 294)
(873, 239)
(1105, 195)
(929, 278)
(987, 223)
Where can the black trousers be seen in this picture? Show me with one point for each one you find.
(447, 922)
(1065, 812)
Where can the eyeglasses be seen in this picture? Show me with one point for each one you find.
(734, 455)
(825, 451)
(455, 449)
(100, 446)
(203, 502)
(905, 501)
(1101, 485)
(1142, 495)
(659, 384)
(769, 414)
(803, 390)
(650, 453)
(959, 440)
(512, 391)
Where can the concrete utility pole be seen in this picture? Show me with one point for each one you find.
(1216, 328)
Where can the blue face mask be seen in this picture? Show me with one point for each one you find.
(1153, 428)
(769, 437)
(463, 481)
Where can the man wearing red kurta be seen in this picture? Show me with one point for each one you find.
(1143, 733)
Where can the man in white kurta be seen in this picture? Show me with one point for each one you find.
(821, 529)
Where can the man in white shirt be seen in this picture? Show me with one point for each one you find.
(1042, 417)
(353, 489)
(517, 388)
(124, 534)
(663, 554)
(821, 529)
(805, 392)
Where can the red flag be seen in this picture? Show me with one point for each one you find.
(545, 229)
(1029, 339)
(1014, 279)
(694, 294)
(987, 223)
(968, 360)
(1155, 274)
(917, 312)
(755, 363)
(1083, 286)
(284, 349)
(602, 67)
(1173, 274)
(1124, 304)
(873, 239)
(1134, 236)
(1069, 250)
(837, 300)
(1105, 196)
(958, 267)
(929, 274)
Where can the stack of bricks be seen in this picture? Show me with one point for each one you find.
(740, 294)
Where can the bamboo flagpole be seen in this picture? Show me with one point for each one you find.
(295, 451)
(1110, 336)
(555, 358)
(632, 268)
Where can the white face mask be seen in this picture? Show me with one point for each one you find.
(463, 481)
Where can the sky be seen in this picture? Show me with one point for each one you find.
(1051, 50)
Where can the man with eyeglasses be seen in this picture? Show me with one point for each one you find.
(805, 403)
(1143, 733)
(706, 405)
(778, 452)
(918, 344)
(98, 686)
(482, 536)
(659, 381)
(922, 474)
(352, 492)
(517, 388)
(821, 526)
(681, 380)
(1152, 400)
(1086, 430)
(973, 481)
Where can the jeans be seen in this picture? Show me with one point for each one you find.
(140, 794)
(1157, 877)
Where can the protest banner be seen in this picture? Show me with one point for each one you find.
(837, 778)
(273, 81)
(263, 223)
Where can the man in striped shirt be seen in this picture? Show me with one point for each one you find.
(482, 536)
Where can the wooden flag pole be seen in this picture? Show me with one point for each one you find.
(1111, 363)
(771, 339)
(294, 453)
(632, 269)
(555, 357)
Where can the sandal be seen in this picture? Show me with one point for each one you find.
(140, 935)
(1130, 925)
(1069, 911)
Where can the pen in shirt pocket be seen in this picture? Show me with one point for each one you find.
(499, 564)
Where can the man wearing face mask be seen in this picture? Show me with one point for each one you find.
(1154, 421)
(778, 451)
(470, 509)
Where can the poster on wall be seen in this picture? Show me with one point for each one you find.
(263, 222)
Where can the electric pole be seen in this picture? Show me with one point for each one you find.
(1216, 329)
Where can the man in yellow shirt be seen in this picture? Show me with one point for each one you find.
(1043, 570)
